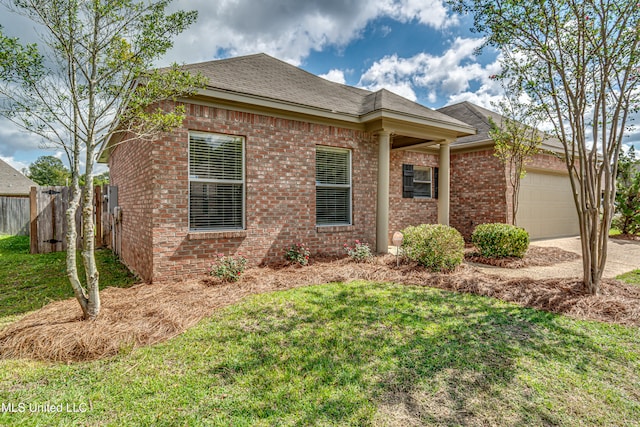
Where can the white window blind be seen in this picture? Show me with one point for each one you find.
(421, 182)
(216, 182)
(333, 186)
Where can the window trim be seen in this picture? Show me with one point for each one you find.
(216, 181)
(418, 181)
(341, 186)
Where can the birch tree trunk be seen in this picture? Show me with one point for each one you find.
(88, 240)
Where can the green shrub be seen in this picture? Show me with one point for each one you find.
(435, 246)
(228, 268)
(298, 253)
(500, 240)
(360, 252)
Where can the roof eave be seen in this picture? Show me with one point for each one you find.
(272, 103)
(266, 103)
(458, 129)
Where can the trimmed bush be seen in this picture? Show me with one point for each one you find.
(298, 253)
(360, 252)
(228, 268)
(500, 240)
(435, 246)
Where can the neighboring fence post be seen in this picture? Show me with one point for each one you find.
(106, 221)
(97, 210)
(33, 220)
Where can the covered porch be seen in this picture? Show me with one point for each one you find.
(418, 135)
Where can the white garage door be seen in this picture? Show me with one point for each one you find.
(546, 207)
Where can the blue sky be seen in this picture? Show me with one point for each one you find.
(416, 48)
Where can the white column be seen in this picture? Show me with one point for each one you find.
(444, 183)
(382, 212)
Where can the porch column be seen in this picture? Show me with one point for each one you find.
(382, 212)
(444, 182)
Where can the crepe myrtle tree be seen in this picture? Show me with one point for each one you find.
(89, 70)
(578, 60)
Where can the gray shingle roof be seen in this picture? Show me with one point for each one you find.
(12, 182)
(267, 77)
(474, 115)
(478, 117)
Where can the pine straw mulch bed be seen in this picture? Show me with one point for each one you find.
(536, 256)
(148, 314)
(634, 237)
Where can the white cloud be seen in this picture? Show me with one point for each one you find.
(334, 75)
(449, 75)
(16, 143)
(482, 98)
(13, 139)
(632, 135)
(385, 30)
(291, 29)
(287, 29)
(16, 164)
(395, 74)
(433, 13)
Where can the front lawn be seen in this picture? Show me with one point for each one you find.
(28, 282)
(632, 277)
(359, 353)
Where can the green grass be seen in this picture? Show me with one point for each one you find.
(351, 354)
(631, 277)
(28, 282)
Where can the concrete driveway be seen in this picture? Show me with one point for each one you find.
(623, 256)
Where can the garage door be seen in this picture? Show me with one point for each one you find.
(546, 207)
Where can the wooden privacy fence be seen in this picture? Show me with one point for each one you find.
(14, 215)
(48, 219)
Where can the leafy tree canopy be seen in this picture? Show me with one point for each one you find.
(49, 170)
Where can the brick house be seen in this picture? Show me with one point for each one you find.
(270, 155)
(546, 208)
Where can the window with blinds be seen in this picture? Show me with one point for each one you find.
(216, 182)
(333, 186)
(422, 182)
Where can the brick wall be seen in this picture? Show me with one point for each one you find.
(280, 193)
(130, 168)
(404, 212)
(548, 162)
(478, 190)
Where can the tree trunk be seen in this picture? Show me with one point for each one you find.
(88, 250)
(71, 237)
(515, 197)
(514, 167)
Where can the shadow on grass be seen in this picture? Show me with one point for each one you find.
(356, 354)
(347, 354)
(28, 282)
